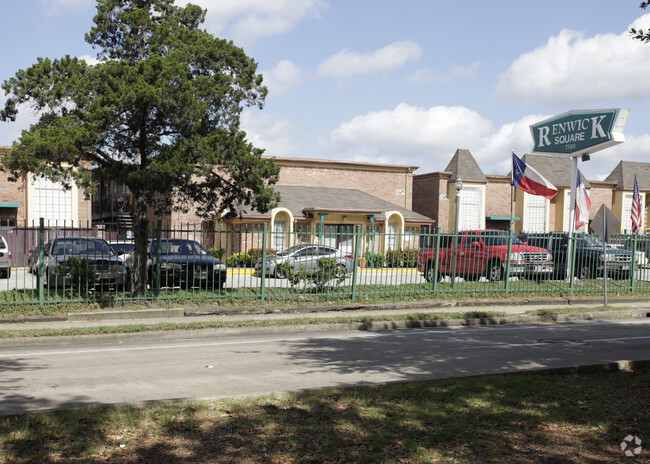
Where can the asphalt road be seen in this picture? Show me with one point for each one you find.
(60, 377)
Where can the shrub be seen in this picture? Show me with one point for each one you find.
(374, 259)
(402, 258)
(393, 258)
(217, 252)
(239, 260)
(328, 270)
(78, 272)
(257, 253)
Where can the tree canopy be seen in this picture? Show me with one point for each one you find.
(159, 112)
(639, 34)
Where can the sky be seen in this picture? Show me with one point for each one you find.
(401, 82)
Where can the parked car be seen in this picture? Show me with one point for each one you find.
(485, 253)
(185, 263)
(108, 268)
(589, 255)
(5, 259)
(304, 256)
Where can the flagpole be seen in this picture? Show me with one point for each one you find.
(512, 222)
(512, 188)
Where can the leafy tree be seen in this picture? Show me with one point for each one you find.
(639, 34)
(159, 113)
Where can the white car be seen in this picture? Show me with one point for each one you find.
(305, 257)
(5, 259)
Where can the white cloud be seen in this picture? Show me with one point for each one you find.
(244, 21)
(346, 63)
(90, 60)
(426, 75)
(572, 68)
(10, 131)
(428, 138)
(285, 76)
(270, 132)
(411, 135)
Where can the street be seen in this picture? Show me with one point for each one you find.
(60, 377)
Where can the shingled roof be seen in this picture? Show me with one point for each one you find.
(302, 200)
(556, 169)
(464, 165)
(623, 174)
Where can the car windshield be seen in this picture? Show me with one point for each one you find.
(81, 246)
(179, 247)
(590, 241)
(123, 248)
(499, 238)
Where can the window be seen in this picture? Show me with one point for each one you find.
(280, 235)
(626, 220)
(391, 232)
(51, 202)
(471, 207)
(535, 214)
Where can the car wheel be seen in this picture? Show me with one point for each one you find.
(429, 271)
(494, 271)
(583, 271)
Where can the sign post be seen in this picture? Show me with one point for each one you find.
(577, 134)
(603, 225)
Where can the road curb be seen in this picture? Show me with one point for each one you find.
(320, 327)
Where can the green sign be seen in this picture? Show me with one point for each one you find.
(579, 132)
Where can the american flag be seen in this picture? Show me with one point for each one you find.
(637, 209)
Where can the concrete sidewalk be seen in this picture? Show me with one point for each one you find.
(514, 309)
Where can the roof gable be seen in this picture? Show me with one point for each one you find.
(624, 172)
(464, 165)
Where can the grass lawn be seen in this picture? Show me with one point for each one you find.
(522, 418)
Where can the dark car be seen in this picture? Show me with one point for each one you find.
(303, 257)
(107, 268)
(589, 255)
(185, 263)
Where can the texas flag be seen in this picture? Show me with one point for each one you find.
(583, 203)
(529, 180)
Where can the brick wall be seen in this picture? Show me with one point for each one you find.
(427, 191)
(13, 192)
(381, 181)
(498, 197)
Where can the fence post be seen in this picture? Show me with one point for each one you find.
(633, 263)
(572, 261)
(508, 258)
(355, 259)
(41, 264)
(263, 285)
(436, 264)
(158, 254)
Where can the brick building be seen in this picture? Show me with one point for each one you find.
(330, 201)
(489, 201)
(23, 203)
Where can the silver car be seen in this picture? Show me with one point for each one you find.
(5, 259)
(303, 256)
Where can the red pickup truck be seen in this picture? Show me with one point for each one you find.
(485, 253)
